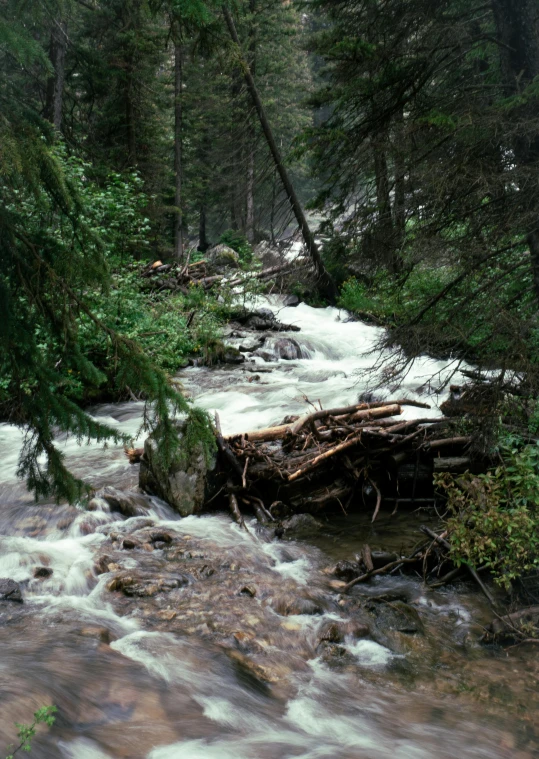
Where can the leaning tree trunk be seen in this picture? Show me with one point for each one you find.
(178, 152)
(326, 284)
(516, 26)
(55, 84)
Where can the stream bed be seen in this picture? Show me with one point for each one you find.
(162, 638)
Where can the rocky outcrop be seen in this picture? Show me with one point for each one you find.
(187, 483)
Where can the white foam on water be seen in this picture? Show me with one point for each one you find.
(338, 350)
(132, 647)
(297, 570)
(70, 559)
(82, 748)
(368, 653)
(200, 749)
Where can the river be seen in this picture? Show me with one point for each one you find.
(164, 638)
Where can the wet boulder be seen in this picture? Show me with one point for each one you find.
(187, 483)
(291, 301)
(285, 348)
(232, 355)
(396, 616)
(301, 526)
(288, 605)
(346, 570)
(10, 590)
(124, 502)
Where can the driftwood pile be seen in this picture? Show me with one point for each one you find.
(345, 458)
(340, 458)
(178, 277)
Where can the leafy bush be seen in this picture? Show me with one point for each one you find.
(238, 242)
(494, 518)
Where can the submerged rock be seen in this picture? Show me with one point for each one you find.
(10, 590)
(301, 526)
(126, 503)
(187, 483)
(396, 616)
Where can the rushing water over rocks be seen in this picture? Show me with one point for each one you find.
(161, 637)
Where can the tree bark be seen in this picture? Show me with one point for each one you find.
(251, 136)
(399, 202)
(178, 152)
(55, 83)
(130, 117)
(326, 285)
(203, 243)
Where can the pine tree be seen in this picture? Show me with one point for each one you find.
(50, 260)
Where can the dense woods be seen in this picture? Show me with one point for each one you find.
(403, 133)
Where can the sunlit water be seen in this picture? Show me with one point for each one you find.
(128, 686)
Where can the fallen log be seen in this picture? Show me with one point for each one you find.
(323, 457)
(381, 571)
(280, 431)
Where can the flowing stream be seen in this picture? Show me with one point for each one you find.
(233, 645)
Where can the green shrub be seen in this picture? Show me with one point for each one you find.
(238, 242)
(494, 518)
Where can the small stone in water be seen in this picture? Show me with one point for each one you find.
(167, 614)
(100, 633)
(42, 572)
(248, 590)
(160, 537)
(130, 543)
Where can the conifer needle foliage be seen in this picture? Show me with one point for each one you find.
(50, 262)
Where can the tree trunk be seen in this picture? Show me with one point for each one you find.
(203, 243)
(55, 83)
(250, 189)
(251, 135)
(516, 25)
(178, 137)
(386, 237)
(326, 284)
(130, 117)
(399, 202)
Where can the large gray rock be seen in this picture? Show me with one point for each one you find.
(222, 256)
(268, 255)
(189, 481)
(284, 347)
